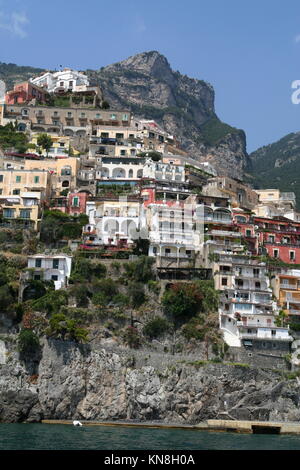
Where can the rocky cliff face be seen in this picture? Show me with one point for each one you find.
(72, 382)
(146, 84)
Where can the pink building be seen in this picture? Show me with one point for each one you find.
(25, 92)
(77, 203)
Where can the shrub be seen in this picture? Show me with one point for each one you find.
(136, 293)
(156, 327)
(140, 270)
(28, 342)
(104, 291)
(132, 338)
(63, 328)
(154, 286)
(121, 300)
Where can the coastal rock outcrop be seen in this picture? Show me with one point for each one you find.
(81, 382)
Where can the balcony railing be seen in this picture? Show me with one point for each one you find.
(288, 286)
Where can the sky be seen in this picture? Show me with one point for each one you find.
(248, 50)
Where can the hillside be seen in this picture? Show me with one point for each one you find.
(146, 84)
(277, 165)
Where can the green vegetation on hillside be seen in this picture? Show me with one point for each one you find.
(214, 130)
(277, 166)
(11, 139)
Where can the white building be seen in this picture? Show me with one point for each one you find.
(112, 221)
(163, 171)
(65, 80)
(55, 268)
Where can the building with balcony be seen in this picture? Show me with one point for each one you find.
(239, 194)
(113, 221)
(274, 203)
(56, 268)
(63, 172)
(174, 240)
(14, 181)
(247, 310)
(71, 121)
(63, 80)
(22, 210)
(286, 288)
(24, 93)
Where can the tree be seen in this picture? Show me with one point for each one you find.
(44, 141)
(28, 341)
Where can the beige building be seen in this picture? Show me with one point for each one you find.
(62, 120)
(63, 171)
(239, 194)
(23, 210)
(15, 181)
(274, 203)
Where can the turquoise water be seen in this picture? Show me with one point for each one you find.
(68, 437)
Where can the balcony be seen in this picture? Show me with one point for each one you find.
(293, 311)
(266, 335)
(288, 286)
(255, 324)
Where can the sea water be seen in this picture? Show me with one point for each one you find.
(69, 437)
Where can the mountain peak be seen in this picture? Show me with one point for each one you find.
(149, 63)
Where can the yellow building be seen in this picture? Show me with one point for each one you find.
(15, 181)
(63, 172)
(286, 288)
(60, 146)
(23, 211)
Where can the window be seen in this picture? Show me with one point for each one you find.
(16, 192)
(36, 179)
(75, 201)
(113, 117)
(9, 213)
(255, 272)
(224, 281)
(257, 285)
(55, 263)
(1, 178)
(61, 83)
(248, 233)
(55, 113)
(275, 253)
(25, 213)
(98, 116)
(69, 115)
(167, 251)
(71, 83)
(38, 263)
(292, 256)
(37, 277)
(54, 277)
(125, 117)
(18, 179)
(82, 115)
(154, 250)
(66, 171)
